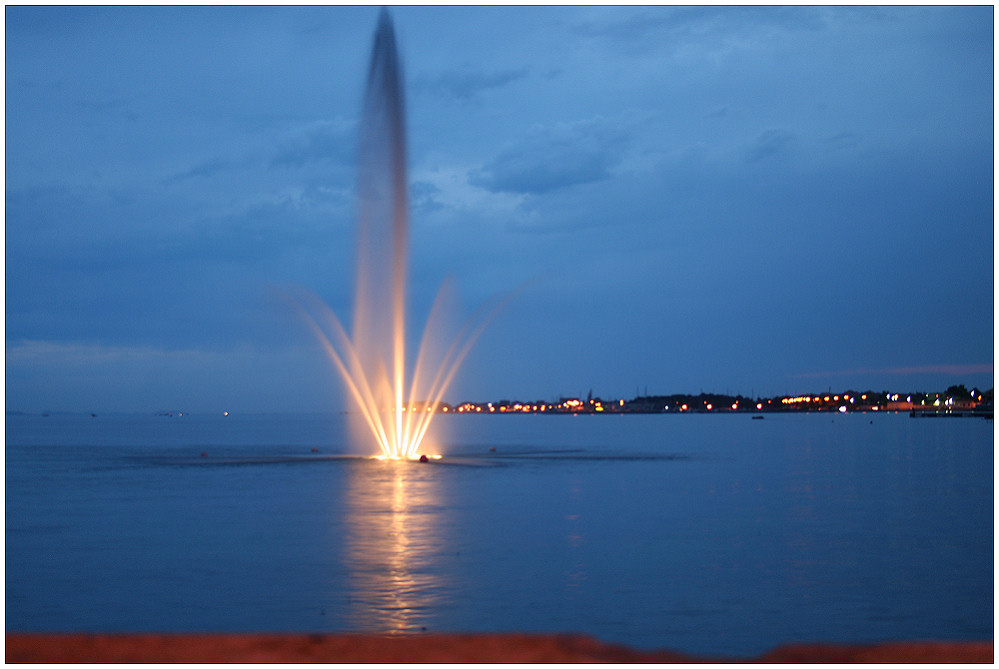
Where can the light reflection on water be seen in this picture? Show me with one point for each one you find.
(395, 531)
(706, 534)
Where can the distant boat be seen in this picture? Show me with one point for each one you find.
(757, 417)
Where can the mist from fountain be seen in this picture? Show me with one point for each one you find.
(396, 405)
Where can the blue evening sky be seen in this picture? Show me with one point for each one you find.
(742, 199)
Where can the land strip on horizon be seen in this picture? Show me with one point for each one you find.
(955, 401)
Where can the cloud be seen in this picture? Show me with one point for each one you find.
(57, 230)
(842, 140)
(698, 32)
(770, 143)
(425, 197)
(445, 195)
(322, 141)
(81, 265)
(205, 169)
(547, 158)
(465, 84)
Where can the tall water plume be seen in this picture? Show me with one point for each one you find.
(395, 399)
(383, 227)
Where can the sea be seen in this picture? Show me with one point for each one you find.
(718, 535)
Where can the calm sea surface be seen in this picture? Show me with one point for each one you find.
(698, 533)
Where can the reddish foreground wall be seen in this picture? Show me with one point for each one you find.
(433, 648)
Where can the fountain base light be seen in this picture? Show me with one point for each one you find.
(407, 458)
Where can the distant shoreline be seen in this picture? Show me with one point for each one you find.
(956, 401)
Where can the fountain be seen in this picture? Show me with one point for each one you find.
(396, 404)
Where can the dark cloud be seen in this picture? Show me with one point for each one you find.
(843, 140)
(673, 29)
(206, 169)
(424, 197)
(466, 84)
(555, 157)
(323, 141)
(561, 167)
(771, 143)
(88, 265)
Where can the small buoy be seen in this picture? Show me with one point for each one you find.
(424, 458)
(315, 450)
(492, 449)
(204, 454)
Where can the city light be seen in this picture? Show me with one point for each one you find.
(951, 403)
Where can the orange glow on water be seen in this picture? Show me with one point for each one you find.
(395, 524)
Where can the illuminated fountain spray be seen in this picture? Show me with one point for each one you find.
(396, 405)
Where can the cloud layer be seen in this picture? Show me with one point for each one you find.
(725, 198)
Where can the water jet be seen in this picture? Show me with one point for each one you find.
(394, 399)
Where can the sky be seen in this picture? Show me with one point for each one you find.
(755, 200)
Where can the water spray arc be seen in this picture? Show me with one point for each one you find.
(396, 411)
